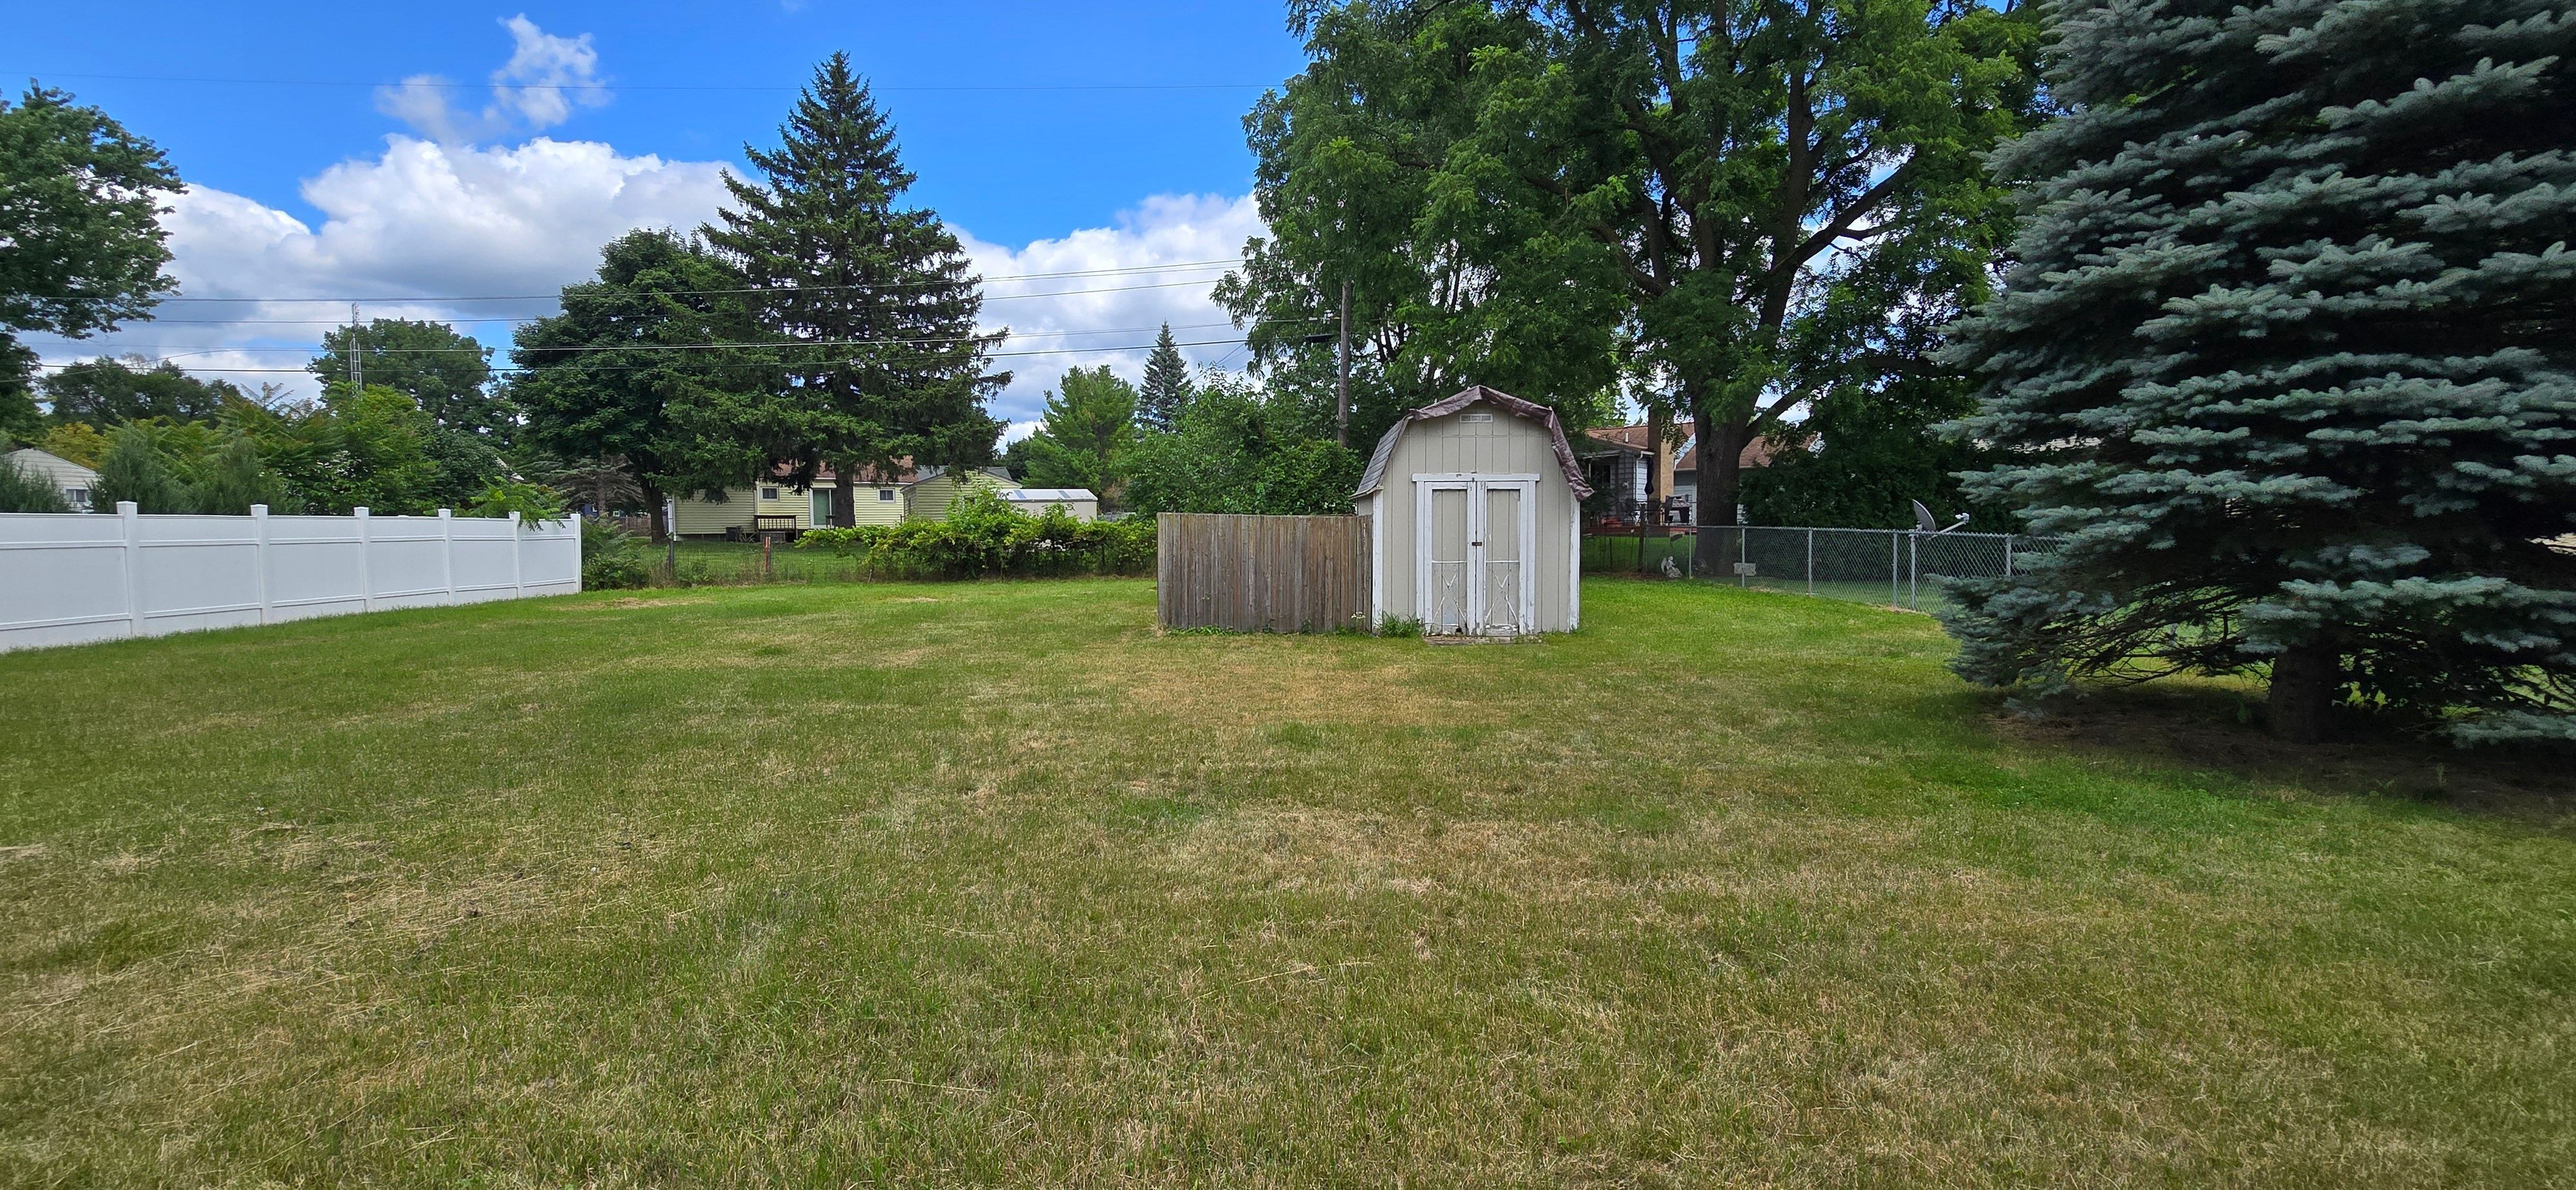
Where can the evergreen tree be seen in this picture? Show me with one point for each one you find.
(2288, 361)
(1089, 423)
(874, 300)
(1166, 390)
(235, 478)
(134, 471)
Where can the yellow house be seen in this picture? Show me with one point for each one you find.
(928, 497)
(778, 506)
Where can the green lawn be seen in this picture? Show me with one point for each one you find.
(989, 883)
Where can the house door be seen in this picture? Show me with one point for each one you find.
(1475, 536)
(822, 510)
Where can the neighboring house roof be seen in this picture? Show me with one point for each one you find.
(935, 470)
(1478, 395)
(1051, 495)
(64, 472)
(900, 474)
(1757, 453)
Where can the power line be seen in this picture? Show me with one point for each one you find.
(749, 363)
(555, 297)
(474, 86)
(478, 350)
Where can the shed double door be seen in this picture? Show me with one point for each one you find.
(1476, 535)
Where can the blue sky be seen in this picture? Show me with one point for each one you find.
(1055, 138)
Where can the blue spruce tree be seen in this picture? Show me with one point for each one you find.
(2287, 359)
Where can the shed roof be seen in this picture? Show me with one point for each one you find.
(1472, 395)
(1050, 494)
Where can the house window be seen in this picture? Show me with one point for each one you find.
(768, 493)
(76, 497)
(884, 494)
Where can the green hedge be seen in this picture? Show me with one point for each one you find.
(984, 537)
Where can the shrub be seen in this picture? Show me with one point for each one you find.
(611, 560)
(985, 537)
(535, 503)
(25, 489)
(132, 470)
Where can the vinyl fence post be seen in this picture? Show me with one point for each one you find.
(128, 518)
(518, 577)
(447, 551)
(259, 557)
(366, 581)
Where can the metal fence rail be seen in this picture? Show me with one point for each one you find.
(1897, 567)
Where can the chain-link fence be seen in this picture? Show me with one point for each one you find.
(1898, 567)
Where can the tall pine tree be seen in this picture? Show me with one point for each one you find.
(2288, 361)
(874, 301)
(1167, 386)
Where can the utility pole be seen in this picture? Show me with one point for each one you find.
(1342, 382)
(357, 361)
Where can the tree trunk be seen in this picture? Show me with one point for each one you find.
(660, 531)
(845, 496)
(2305, 680)
(1721, 465)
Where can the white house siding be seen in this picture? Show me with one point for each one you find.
(692, 517)
(1506, 445)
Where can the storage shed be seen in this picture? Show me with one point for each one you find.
(1475, 506)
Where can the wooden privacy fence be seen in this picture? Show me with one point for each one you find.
(1261, 573)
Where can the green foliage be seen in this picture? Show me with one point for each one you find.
(20, 420)
(1089, 426)
(77, 442)
(80, 216)
(611, 558)
(875, 301)
(109, 392)
(2288, 363)
(447, 374)
(600, 383)
(535, 503)
(24, 489)
(134, 471)
(1167, 389)
(1238, 451)
(233, 478)
(1874, 452)
(352, 450)
(984, 537)
(1725, 212)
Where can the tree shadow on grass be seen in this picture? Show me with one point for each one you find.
(2215, 726)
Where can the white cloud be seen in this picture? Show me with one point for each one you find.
(422, 223)
(546, 78)
(1117, 310)
(425, 223)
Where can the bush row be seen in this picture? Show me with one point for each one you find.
(985, 537)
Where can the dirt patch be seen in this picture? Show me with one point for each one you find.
(630, 602)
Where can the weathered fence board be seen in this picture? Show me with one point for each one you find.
(1261, 573)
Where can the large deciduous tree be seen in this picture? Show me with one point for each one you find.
(80, 234)
(656, 364)
(108, 391)
(448, 374)
(2289, 361)
(1723, 206)
(875, 300)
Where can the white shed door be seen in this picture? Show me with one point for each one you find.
(1476, 536)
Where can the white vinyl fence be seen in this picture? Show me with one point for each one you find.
(71, 577)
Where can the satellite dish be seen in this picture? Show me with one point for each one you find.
(1923, 522)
